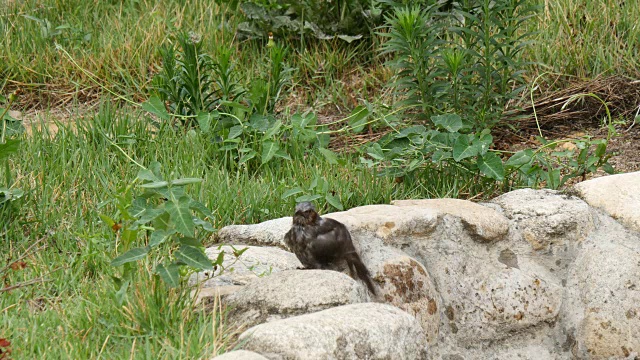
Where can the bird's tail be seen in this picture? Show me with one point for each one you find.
(354, 261)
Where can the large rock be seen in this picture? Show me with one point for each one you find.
(618, 195)
(291, 293)
(268, 233)
(494, 305)
(601, 315)
(359, 331)
(254, 262)
(403, 282)
(484, 223)
(387, 221)
(546, 216)
(240, 355)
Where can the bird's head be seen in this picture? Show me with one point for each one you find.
(305, 214)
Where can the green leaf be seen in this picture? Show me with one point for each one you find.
(130, 256)
(186, 181)
(181, 215)
(375, 151)
(282, 154)
(601, 149)
(162, 221)
(462, 149)
(248, 156)
(608, 168)
(275, 128)
(204, 224)
(199, 207)
(259, 122)
(148, 175)
(193, 257)
(159, 236)
(155, 106)
(107, 220)
(9, 147)
(334, 201)
(234, 132)
(149, 215)
(269, 149)
(329, 155)
(7, 195)
(520, 158)
(358, 118)
(155, 185)
(440, 155)
(291, 192)
(221, 255)
(308, 198)
(349, 38)
(491, 166)
(169, 274)
(449, 122)
(190, 241)
(204, 122)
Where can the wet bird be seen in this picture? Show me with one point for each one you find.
(320, 243)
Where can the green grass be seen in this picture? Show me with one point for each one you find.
(72, 176)
(118, 42)
(587, 38)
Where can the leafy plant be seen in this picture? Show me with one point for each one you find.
(452, 146)
(10, 128)
(318, 189)
(465, 61)
(200, 90)
(163, 215)
(346, 19)
(185, 82)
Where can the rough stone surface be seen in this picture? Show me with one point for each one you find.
(293, 292)
(601, 316)
(254, 262)
(546, 216)
(403, 282)
(618, 195)
(483, 222)
(268, 233)
(358, 331)
(533, 274)
(240, 355)
(386, 221)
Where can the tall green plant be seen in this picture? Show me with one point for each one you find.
(414, 43)
(465, 61)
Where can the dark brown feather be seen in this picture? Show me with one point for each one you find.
(320, 243)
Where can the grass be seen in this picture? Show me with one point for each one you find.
(70, 177)
(118, 43)
(73, 175)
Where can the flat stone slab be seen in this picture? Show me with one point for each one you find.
(293, 292)
(254, 262)
(359, 331)
(618, 195)
(387, 221)
(268, 233)
(547, 217)
(482, 221)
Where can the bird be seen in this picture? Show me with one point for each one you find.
(321, 242)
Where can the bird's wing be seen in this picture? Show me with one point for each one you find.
(329, 238)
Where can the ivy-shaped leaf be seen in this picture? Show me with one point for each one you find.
(169, 274)
(181, 215)
(193, 257)
(130, 256)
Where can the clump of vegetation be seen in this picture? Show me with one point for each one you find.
(237, 128)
